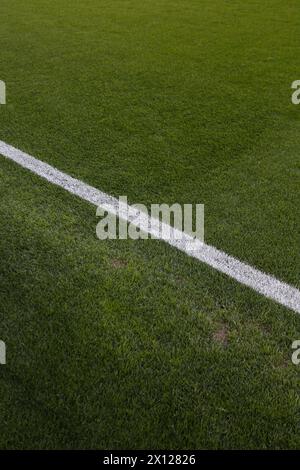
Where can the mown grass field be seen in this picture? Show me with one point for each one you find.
(131, 344)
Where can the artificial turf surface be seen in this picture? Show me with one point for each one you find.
(126, 344)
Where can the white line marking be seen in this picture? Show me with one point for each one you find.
(263, 283)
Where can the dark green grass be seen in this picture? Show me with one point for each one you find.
(168, 101)
(132, 344)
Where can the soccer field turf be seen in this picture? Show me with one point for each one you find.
(132, 344)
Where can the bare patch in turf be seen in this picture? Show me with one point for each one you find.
(118, 263)
(220, 336)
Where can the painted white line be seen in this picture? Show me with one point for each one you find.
(262, 283)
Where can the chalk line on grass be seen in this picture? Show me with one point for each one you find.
(260, 282)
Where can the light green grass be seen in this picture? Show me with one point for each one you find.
(132, 344)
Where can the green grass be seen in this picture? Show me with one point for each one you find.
(132, 344)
